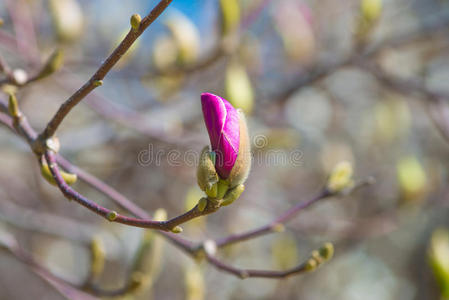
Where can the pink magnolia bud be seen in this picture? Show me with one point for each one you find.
(228, 137)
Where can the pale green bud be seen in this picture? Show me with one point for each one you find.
(206, 175)
(176, 229)
(69, 178)
(53, 64)
(340, 177)
(230, 14)
(239, 90)
(326, 251)
(233, 194)
(112, 215)
(135, 21)
(13, 106)
(371, 9)
(311, 265)
(223, 187)
(97, 257)
(202, 203)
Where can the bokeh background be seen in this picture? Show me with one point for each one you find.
(298, 69)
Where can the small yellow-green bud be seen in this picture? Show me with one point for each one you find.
(371, 9)
(176, 229)
(53, 64)
(98, 254)
(327, 251)
(230, 10)
(206, 174)
(13, 106)
(69, 178)
(311, 265)
(239, 90)
(1, 22)
(135, 21)
(202, 203)
(438, 254)
(98, 83)
(340, 177)
(112, 215)
(212, 191)
(412, 178)
(233, 194)
(317, 257)
(223, 187)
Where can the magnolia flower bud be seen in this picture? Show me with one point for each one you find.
(229, 139)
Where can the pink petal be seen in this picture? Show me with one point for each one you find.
(222, 123)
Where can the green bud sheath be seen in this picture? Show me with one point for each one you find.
(212, 191)
(327, 251)
(53, 64)
(69, 178)
(223, 187)
(206, 175)
(202, 204)
(233, 194)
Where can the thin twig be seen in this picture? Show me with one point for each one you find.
(246, 273)
(275, 225)
(90, 85)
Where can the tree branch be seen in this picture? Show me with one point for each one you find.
(90, 85)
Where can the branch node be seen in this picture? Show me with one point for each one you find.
(210, 247)
(243, 274)
(53, 144)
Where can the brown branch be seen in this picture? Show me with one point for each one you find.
(274, 226)
(113, 216)
(91, 84)
(247, 273)
(277, 225)
(64, 287)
